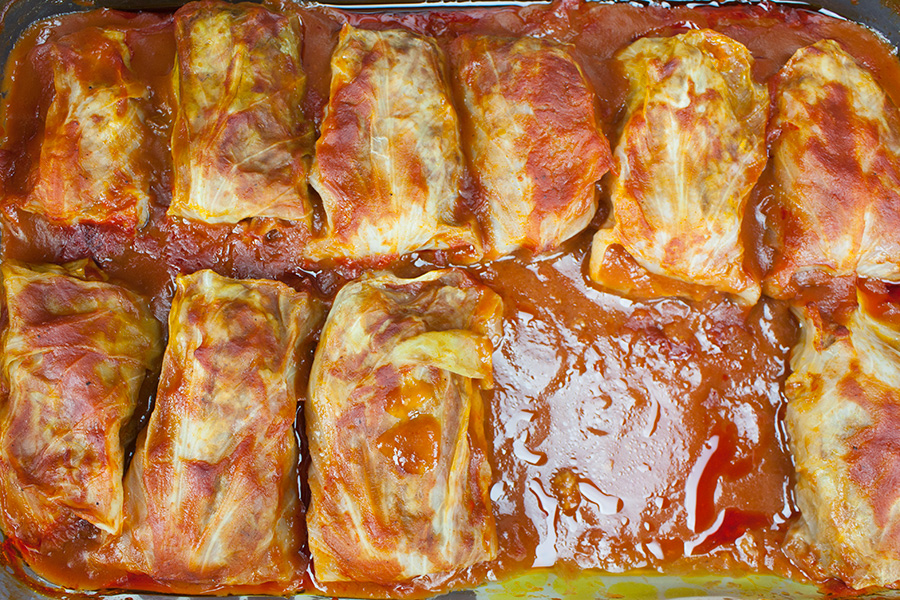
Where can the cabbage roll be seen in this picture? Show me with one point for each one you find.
(211, 496)
(75, 354)
(536, 150)
(241, 144)
(388, 162)
(835, 143)
(399, 476)
(692, 148)
(842, 420)
(91, 167)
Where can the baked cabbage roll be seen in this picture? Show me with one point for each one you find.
(75, 355)
(388, 161)
(842, 421)
(211, 496)
(835, 144)
(692, 148)
(399, 476)
(535, 147)
(241, 145)
(91, 168)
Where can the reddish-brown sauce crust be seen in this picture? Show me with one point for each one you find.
(622, 272)
(875, 451)
(623, 433)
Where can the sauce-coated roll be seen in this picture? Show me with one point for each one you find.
(535, 147)
(241, 145)
(395, 420)
(75, 354)
(211, 497)
(692, 148)
(835, 144)
(842, 420)
(92, 166)
(388, 162)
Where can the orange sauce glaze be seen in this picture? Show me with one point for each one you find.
(626, 435)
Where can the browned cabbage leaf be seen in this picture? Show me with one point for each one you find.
(211, 498)
(399, 473)
(241, 145)
(91, 167)
(692, 148)
(388, 162)
(74, 357)
(842, 419)
(536, 149)
(835, 143)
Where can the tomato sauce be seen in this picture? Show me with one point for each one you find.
(626, 435)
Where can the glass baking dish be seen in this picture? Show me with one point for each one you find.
(883, 16)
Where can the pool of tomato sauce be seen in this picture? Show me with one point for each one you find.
(626, 435)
